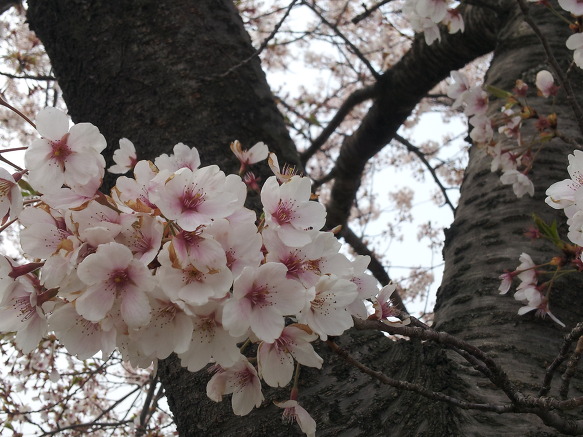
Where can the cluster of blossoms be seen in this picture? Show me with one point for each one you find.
(514, 162)
(172, 262)
(566, 195)
(426, 16)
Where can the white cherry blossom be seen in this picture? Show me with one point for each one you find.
(125, 157)
(261, 297)
(111, 274)
(64, 156)
(289, 211)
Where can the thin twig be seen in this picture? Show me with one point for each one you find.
(572, 336)
(28, 76)
(415, 150)
(355, 98)
(259, 50)
(571, 369)
(368, 11)
(349, 43)
(404, 385)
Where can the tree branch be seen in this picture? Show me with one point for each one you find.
(368, 11)
(357, 97)
(404, 385)
(415, 150)
(352, 47)
(398, 92)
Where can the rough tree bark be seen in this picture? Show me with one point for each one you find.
(147, 70)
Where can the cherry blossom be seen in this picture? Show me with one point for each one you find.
(210, 341)
(573, 6)
(125, 157)
(65, 156)
(195, 198)
(113, 274)
(326, 313)
(289, 211)
(255, 154)
(276, 360)
(10, 195)
(261, 297)
(536, 301)
(563, 194)
(183, 157)
(293, 411)
(546, 84)
(575, 42)
(240, 379)
(521, 184)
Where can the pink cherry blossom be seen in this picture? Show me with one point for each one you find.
(240, 379)
(210, 341)
(276, 360)
(255, 154)
(573, 6)
(125, 157)
(10, 195)
(326, 312)
(546, 84)
(294, 412)
(193, 282)
(113, 274)
(562, 194)
(536, 301)
(80, 336)
(183, 157)
(435, 10)
(169, 329)
(21, 312)
(575, 42)
(458, 88)
(289, 211)
(521, 184)
(261, 297)
(454, 21)
(383, 307)
(64, 156)
(195, 198)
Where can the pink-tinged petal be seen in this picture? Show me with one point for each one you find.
(270, 194)
(266, 323)
(275, 366)
(135, 308)
(236, 316)
(312, 215)
(86, 136)
(109, 257)
(52, 123)
(95, 302)
(293, 237)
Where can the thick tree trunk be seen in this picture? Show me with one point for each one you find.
(146, 70)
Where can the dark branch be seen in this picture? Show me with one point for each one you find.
(351, 101)
(415, 150)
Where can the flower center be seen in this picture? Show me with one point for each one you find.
(60, 149)
(283, 214)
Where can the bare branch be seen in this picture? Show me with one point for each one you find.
(368, 11)
(415, 150)
(352, 47)
(357, 97)
(28, 76)
(574, 335)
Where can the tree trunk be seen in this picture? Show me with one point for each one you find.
(149, 70)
